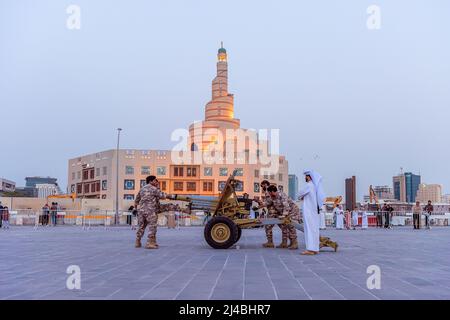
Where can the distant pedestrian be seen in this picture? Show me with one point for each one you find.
(5, 217)
(348, 219)
(364, 219)
(1, 211)
(387, 210)
(379, 216)
(130, 215)
(355, 215)
(428, 212)
(417, 212)
(53, 212)
(45, 214)
(339, 218)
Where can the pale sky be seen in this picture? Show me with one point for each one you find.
(348, 100)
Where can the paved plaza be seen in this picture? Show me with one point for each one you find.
(415, 264)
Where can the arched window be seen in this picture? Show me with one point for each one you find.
(194, 147)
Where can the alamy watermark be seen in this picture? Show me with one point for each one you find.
(374, 280)
(73, 21)
(374, 19)
(228, 146)
(73, 281)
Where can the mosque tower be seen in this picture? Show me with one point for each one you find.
(219, 111)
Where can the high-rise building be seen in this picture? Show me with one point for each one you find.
(399, 188)
(208, 161)
(412, 185)
(7, 185)
(383, 192)
(405, 186)
(432, 192)
(46, 189)
(445, 198)
(350, 193)
(293, 186)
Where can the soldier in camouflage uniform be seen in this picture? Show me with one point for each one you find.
(283, 206)
(147, 202)
(272, 213)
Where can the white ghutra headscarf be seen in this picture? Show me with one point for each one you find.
(317, 181)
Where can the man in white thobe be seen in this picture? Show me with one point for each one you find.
(355, 215)
(364, 219)
(323, 226)
(339, 217)
(313, 197)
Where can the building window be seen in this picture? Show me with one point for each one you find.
(178, 171)
(272, 177)
(79, 188)
(145, 170)
(93, 187)
(256, 187)
(85, 175)
(223, 172)
(163, 185)
(72, 188)
(105, 171)
(79, 175)
(161, 171)
(86, 188)
(97, 186)
(128, 185)
(280, 176)
(92, 173)
(178, 186)
(73, 175)
(128, 197)
(97, 172)
(256, 173)
(104, 185)
(191, 186)
(207, 171)
(207, 186)
(221, 185)
(129, 170)
(145, 152)
(238, 172)
(129, 152)
(143, 183)
(239, 186)
(191, 171)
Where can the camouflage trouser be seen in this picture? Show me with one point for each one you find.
(269, 231)
(290, 229)
(145, 219)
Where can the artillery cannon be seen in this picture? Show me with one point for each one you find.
(229, 216)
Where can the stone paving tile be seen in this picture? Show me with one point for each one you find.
(414, 265)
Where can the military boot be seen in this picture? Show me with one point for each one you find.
(269, 244)
(138, 243)
(293, 245)
(151, 244)
(283, 244)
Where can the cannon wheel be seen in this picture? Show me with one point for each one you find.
(221, 232)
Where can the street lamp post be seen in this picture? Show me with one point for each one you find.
(116, 217)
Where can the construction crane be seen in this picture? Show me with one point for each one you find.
(62, 196)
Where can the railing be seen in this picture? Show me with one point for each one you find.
(92, 218)
(397, 218)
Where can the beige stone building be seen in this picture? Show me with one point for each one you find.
(210, 155)
(431, 192)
